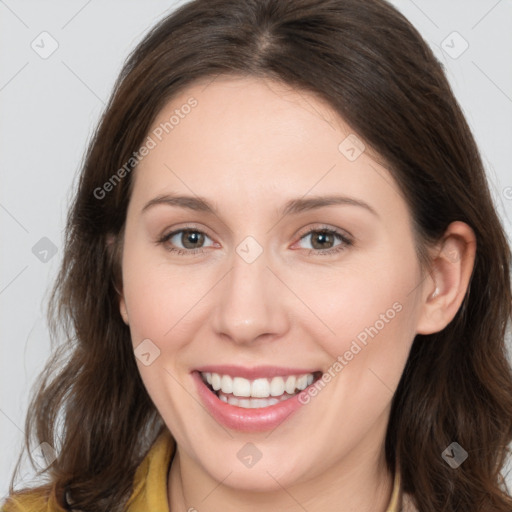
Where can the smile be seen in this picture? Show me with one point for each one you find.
(253, 394)
(252, 399)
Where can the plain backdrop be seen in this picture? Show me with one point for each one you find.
(58, 63)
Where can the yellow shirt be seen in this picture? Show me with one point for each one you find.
(150, 486)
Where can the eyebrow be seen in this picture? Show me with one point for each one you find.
(294, 206)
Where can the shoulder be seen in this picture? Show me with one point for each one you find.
(149, 491)
(34, 500)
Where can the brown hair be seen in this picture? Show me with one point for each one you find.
(370, 64)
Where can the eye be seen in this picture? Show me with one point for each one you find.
(323, 241)
(185, 241)
(189, 241)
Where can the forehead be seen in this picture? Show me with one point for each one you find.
(239, 137)
(248, 120)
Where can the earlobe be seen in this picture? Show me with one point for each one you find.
(450, 274)
(123, 310)
(113, 247)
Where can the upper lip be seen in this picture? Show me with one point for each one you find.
(254, 372)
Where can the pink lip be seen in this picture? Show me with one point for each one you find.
(255, 372)
(246, 420)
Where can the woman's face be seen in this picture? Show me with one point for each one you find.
(256, 297)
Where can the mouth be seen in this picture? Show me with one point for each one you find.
(257, 393)
(252, 399)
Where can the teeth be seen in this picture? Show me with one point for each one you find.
(251, 403)
(291, 381)
(245, 403)
(258, 388)
(277, 386)
(241, 387)
(226, 384)
(215, 381)
(302, 382)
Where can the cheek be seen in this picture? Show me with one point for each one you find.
(365, 312)
(158, 295)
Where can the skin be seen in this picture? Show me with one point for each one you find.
(248, 147)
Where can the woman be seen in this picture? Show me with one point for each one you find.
(285, 285)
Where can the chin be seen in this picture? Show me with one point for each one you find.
(263, 477)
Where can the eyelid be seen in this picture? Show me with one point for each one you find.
(324, 227)
(187, 227)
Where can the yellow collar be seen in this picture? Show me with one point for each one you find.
(150, 480)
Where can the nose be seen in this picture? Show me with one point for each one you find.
(251, 303)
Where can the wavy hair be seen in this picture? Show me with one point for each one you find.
(375, 70)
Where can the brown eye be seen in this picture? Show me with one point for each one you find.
(324, 241)
(192, 239)
(185, 241)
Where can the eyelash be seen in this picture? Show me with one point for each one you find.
(345, 241)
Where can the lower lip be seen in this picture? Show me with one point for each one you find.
(246, 420)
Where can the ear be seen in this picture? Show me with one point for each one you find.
(444, 290)
(123, 310)
(115, 254)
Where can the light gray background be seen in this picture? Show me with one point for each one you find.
(50, 106)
